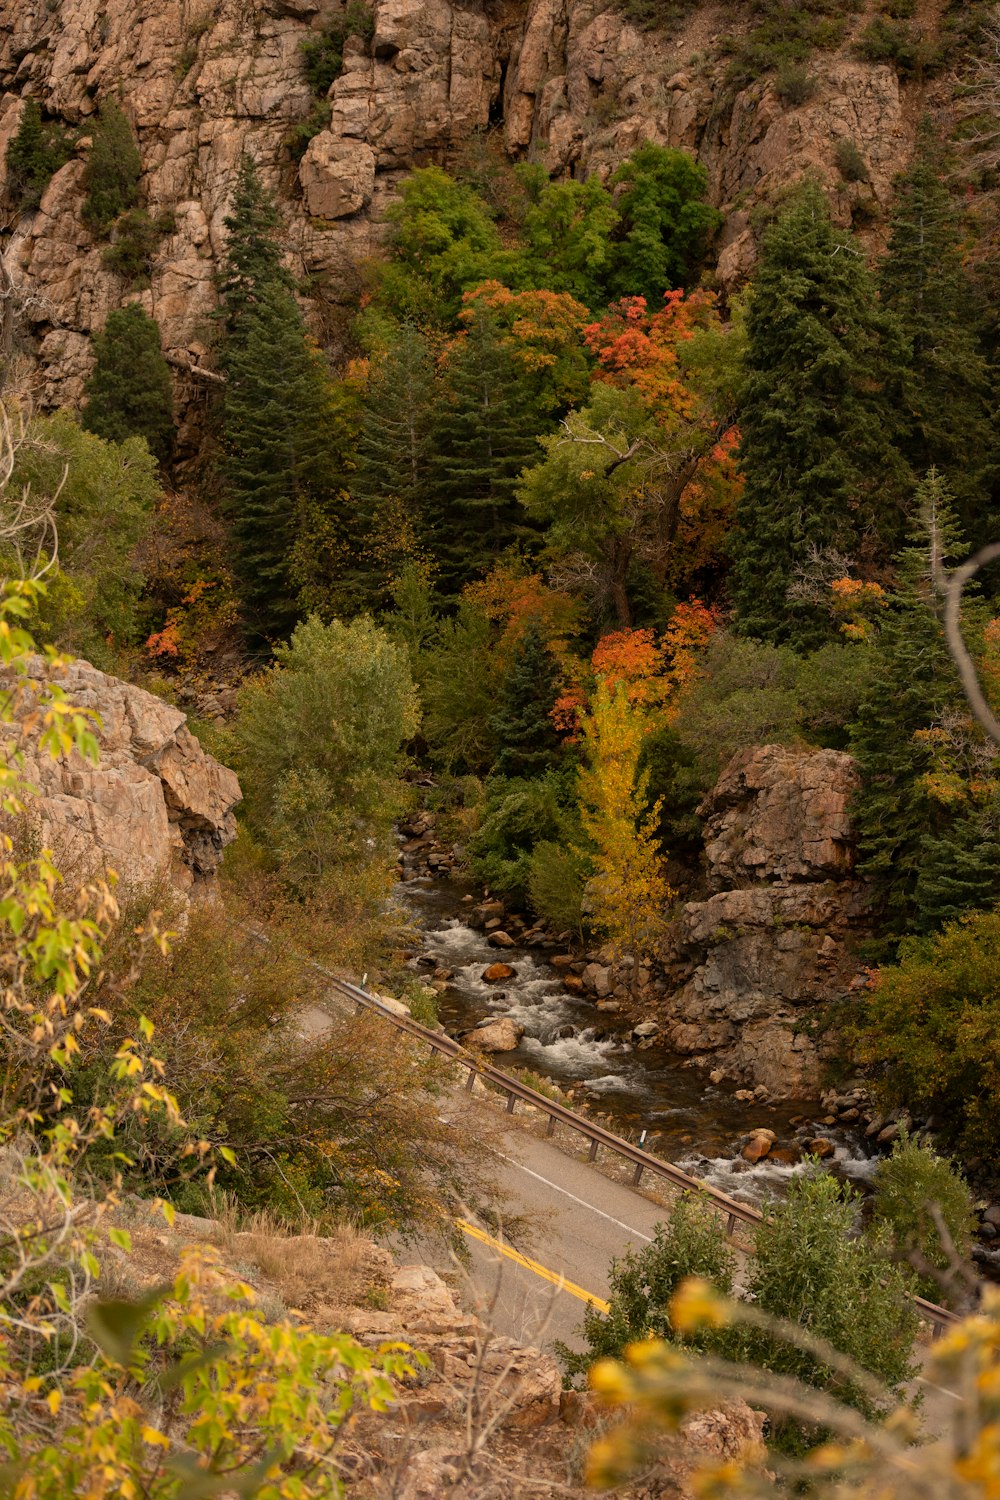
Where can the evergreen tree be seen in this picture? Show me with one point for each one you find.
(526, 738)
(275, 412)
(111, 176)
(392, 484)
(913, 686)
(943, 390)
(817, 455)
(35, 152)
(486, 435)
(253, 250)
(130, 393)
(960, 870)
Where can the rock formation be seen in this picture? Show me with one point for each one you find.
(774, 938)
(155, 805)
(569, 81)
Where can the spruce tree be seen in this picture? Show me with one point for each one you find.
(943, 390)
(526, 738)
(912, 688)
(130, 393)
(111, 176)
(275, 410)
(275, 415)
(35, 152)
(487, 432)
(960, 870)
(820, 468)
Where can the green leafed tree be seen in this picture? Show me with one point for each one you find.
(944, 390)
(568, 228)
(665, 223)
(114, 166)
(820, 466)
(525, 735)
(129, 392)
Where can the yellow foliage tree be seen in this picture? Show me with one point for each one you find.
(629, 888)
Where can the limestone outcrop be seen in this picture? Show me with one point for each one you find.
(776, 935)
(155, 806)
(571, 81)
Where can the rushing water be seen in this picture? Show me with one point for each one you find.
(588, 1052)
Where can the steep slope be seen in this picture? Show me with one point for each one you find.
(571, 82)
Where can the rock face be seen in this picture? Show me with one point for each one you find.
(155, 805)
(571, 81)
(775, 935)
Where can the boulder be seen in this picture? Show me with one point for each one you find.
(501, 1035)
(155, 806)
(500, 939)
(597, 979)
(497, 973)
(756, 1148)
(820, 1147)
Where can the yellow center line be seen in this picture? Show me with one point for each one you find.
(558, 1281)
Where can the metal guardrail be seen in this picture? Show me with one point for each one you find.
(644, 1161)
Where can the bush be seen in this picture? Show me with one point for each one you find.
(35, 152)
(811, 1267)
(557, 878)
(129, 392)
(111, 176)
(794, 84)
(136, 236)
(319, 742)
(909, 1184)
(323, 56)
(660, 15)
(850, 163)
(930, 1025)
(691, 1243)
(899, 45)
(518, 815)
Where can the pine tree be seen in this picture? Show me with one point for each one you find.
(275, 416)
(486, 435)
(960, 870)
(526, 738)
(817, 455)
(111, 176)
(129, 392)
(943, 390)
(253, 251)
(912, 687)
(35, 152)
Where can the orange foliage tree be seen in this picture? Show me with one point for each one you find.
(545, 332)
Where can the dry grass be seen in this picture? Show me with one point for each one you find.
(305, 1269)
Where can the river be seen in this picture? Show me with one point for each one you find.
(589, 1053)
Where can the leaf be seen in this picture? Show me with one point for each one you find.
(115, 1325)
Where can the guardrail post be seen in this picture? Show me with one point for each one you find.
(550, 1128)
(639, 1169)
(511, 1101)
(730, 1224)
(470, 1081)
(593, 1148)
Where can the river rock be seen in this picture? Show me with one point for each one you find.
(820, 1147)
(646, 1029)
(500, 940)
(573, 983)
(497, 973)
(562, 960)
(500, 1035)
(756, 1148)
(597, 979)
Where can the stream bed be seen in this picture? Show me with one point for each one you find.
(589, 1053)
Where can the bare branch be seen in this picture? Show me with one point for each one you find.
(950, 584)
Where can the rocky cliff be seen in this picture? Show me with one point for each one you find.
(155, 806)
(776, 937)
(570, 82)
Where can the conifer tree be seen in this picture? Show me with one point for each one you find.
(486, 435)
(943, 389)
(526, 737)
(111, 176)
(275, 417)
(912, 686)
(35, 152)
(817, 455)
(276, 410)
(960, 870)
(130, 393)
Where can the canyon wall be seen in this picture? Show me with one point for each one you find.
(569, 82)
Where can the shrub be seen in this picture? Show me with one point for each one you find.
(909, 1184)
(35, 152)
(811, 1267)
(691, 1243)
(323, 55)
(899, 45)
(850, 163)
(111, 176)
(794, 84)
(658, 14)
(930, 1024)
(130, 392)
(517, 815)
(556, 880)
(136, 236)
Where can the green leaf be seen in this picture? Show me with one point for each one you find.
(116, 1325)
